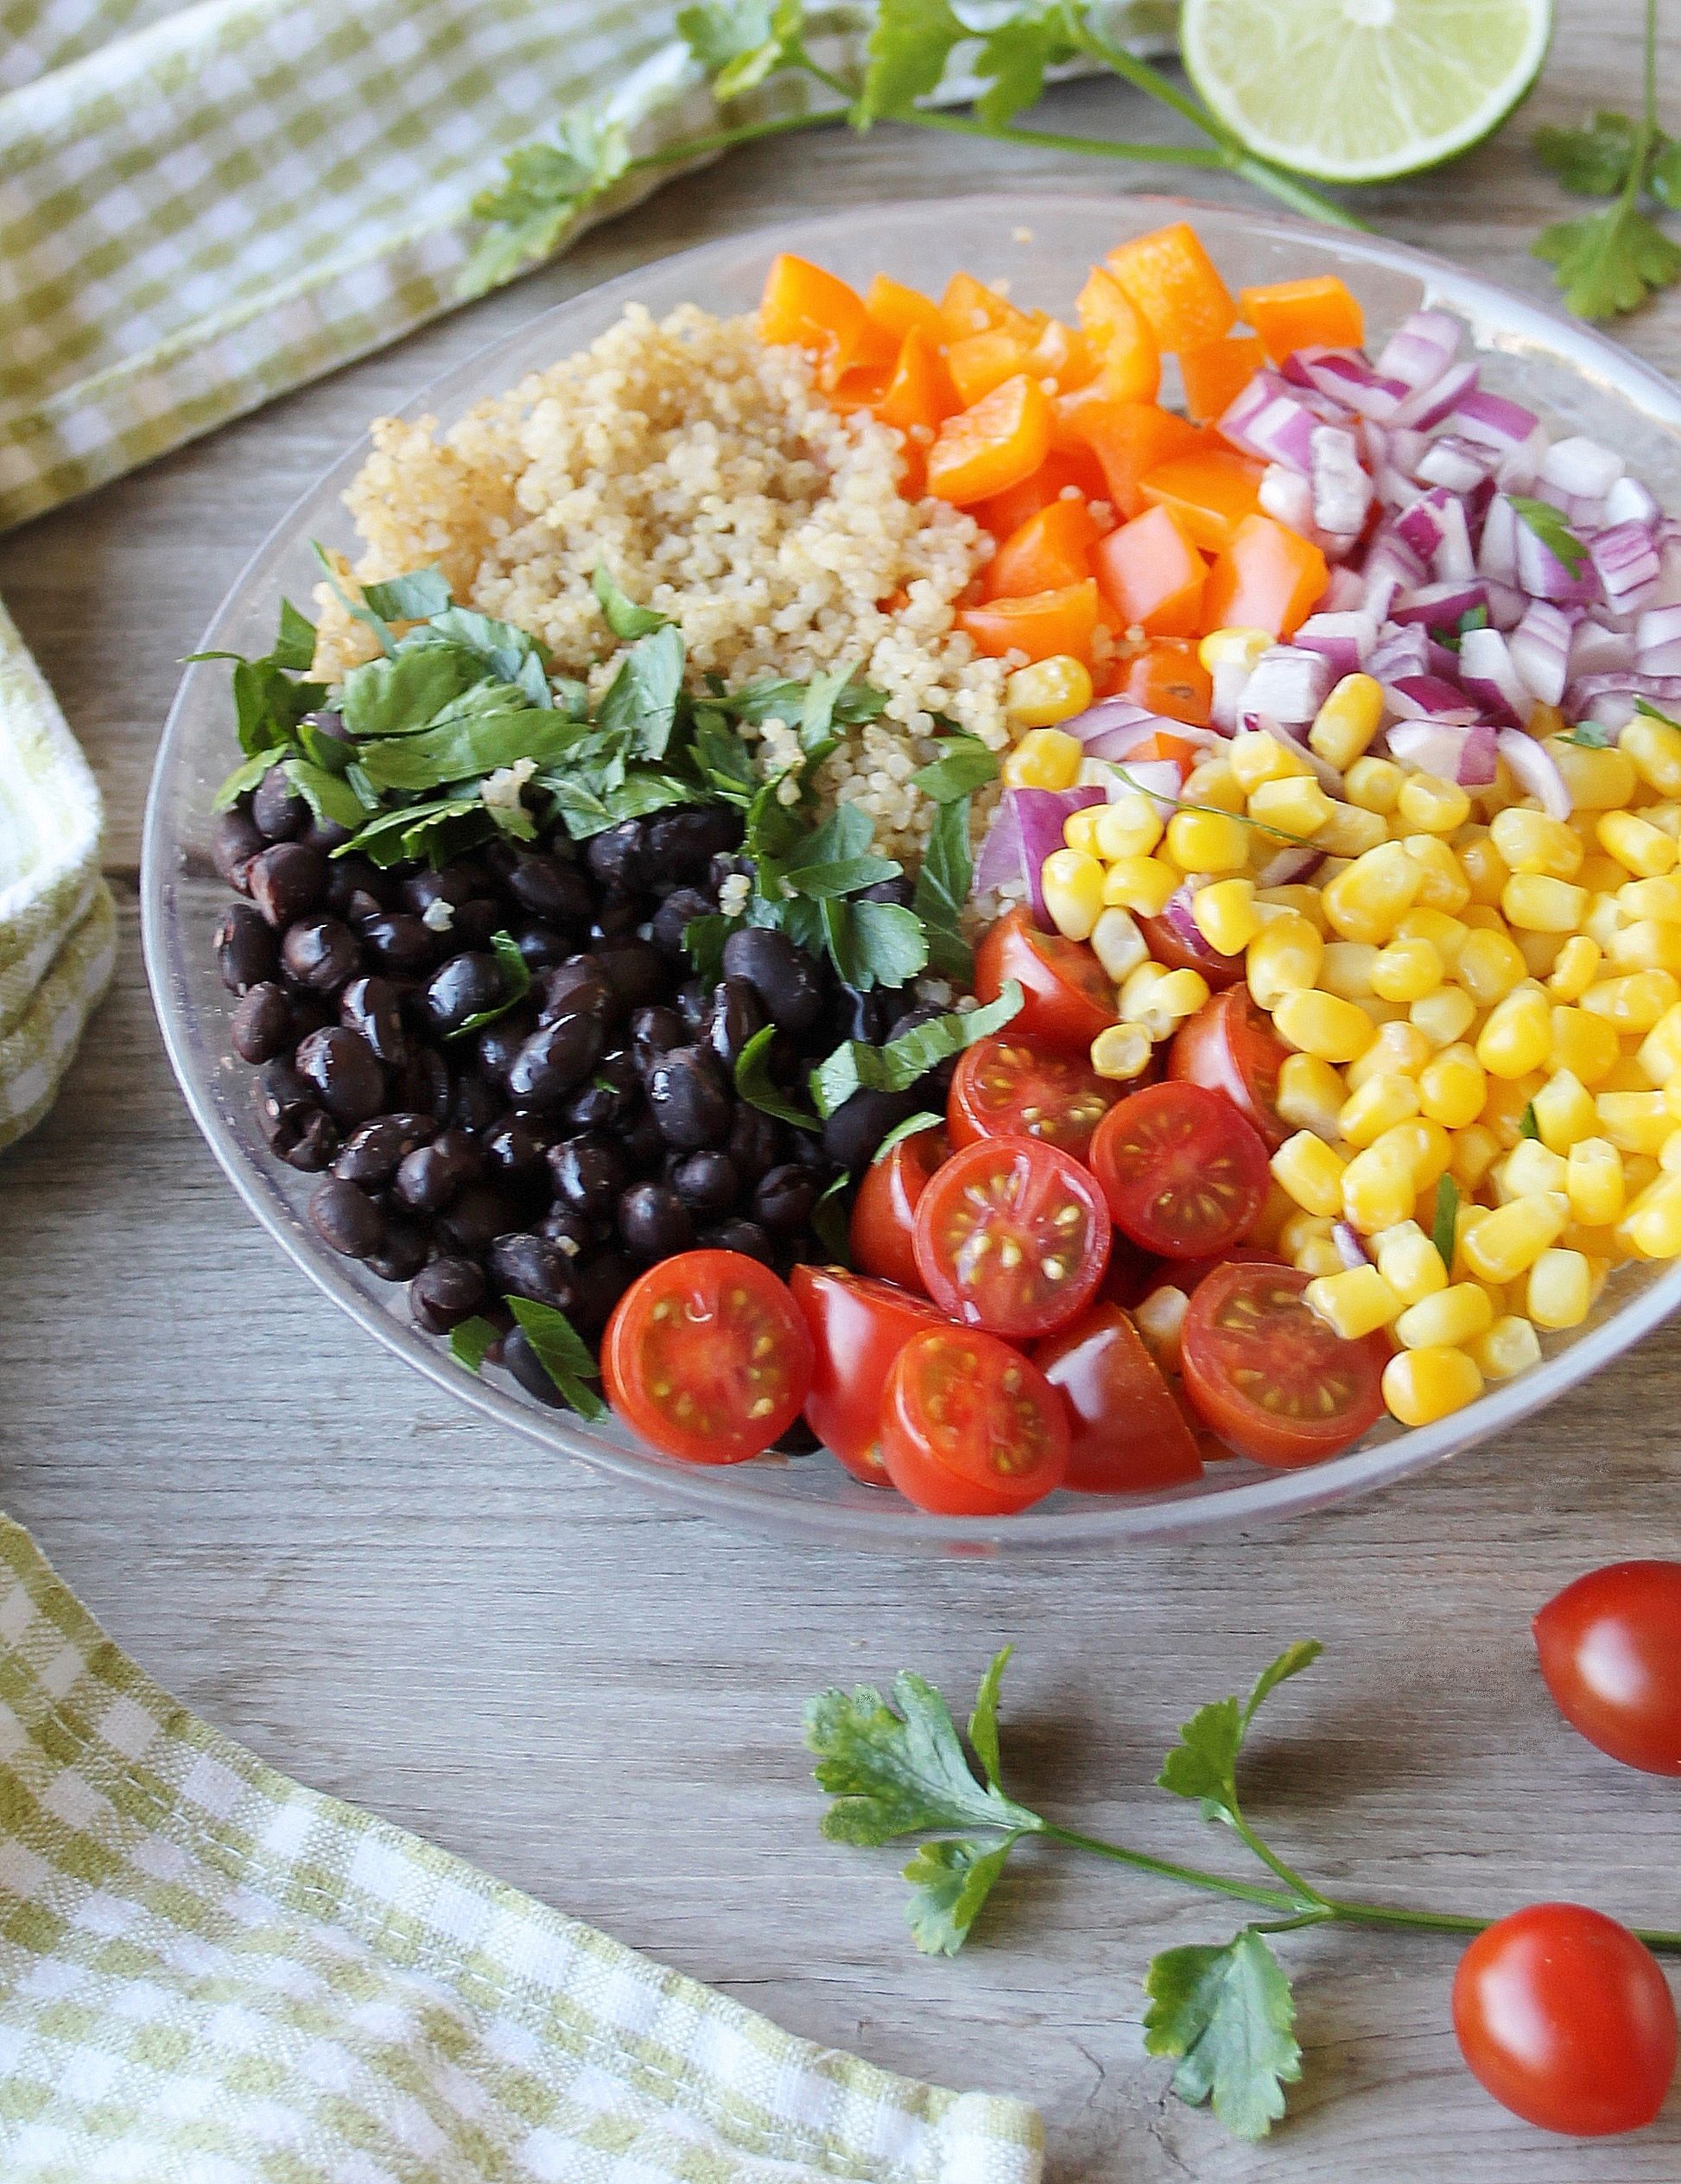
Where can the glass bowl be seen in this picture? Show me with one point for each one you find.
(1043, 244)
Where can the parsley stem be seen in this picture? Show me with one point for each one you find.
(724, 140)
(1048, 141)
(1194, 1877)
(1389, 1915)
(1271, 1859)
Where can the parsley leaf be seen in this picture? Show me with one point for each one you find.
(1645, 706)
(1202, 1765)
(962, 764)
(1591, 735)
(1527, 1126)
(515, 983)
(643, 697)
(906, 56)
(983, 1718)
(470, 1340)
(463, 748)
(625, 618)
(403, 693)
(895, 1767)
(895, 1066)
(834, 859)
(562, 1353)
(1610, 261)
(950, 1879)
(544, 188)
(1549, 525)
(1663, 175)
(1014, 58)
(414, 598)
(294, 641)
(740, 42)
(1229, 2015)
(754, 1081)
(830, 1223)
(1444, 1228)
(942, 890)
(912, 1127)
(329, 795)
(1593, 161)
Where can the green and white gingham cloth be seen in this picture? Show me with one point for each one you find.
(209, 1975)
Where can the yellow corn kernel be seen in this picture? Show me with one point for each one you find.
(1634, 1121)
(1564, 1111)
(1442, 885)
(1432, 806)
(1639, 1169)
(1660, 1050)
(1299, 897)
(1285, 957)
(1382, 1013)
(1654, 749)
(1575, 968)
(1490, 967)
(1255, 757)
(1446, 935)
(1446, 1317)
(1140, 883)
(1508, 1347)
(1670, 1159)
(1072, 884)
(1356, 1302)
(1207, 842)
(1378, 1188)
(1225, 916)
(1373, 785)
(1041, 696)
(1406, 970)
(1632, 1002)
(1539, 951)
(1593, 1183)
(1652, 1225)
(1121, 1052)
(1381, 1103)
(1637, 845)
(1445, 1016)
(1311, 1173)
(1348, 720)
(1212, 781)
(1482, 917)
(1452, 1086)
(1536, 904)
(1528, 841)
(1603, 918)
(1518, 1036)
(1626, 1074)
(1318, 1257)
(1296, 805)
(1598, 780)
(1504, 1111)
(1346, 968)
(1486, 871)
(1234, 648)
(1646, 945)
(1310, 1095)
(1420, 1386)
(1584, 1044)
(1299, 1228)
(1560, 1290)
(1603, 875)
(1045, 758)
(1364, 901)
(1401, 1047)
(1529, 1167)
(1177, 995)
(1321, 1024)
(1476, 1150)
(1426, 1145)
(1508, 1241)
(1658, 898)
(1118, 944)
(1128, 826)
(1410, 1263)
(1263, 1231)
(1350, 832)
(1161, 1319)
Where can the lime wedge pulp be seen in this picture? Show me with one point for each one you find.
(1362, 91)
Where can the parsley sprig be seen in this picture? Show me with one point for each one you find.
(1223, 2013)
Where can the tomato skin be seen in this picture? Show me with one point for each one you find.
(1184, 1174)
(1231, 1047)
(1067, 999)
(1610, 1651)
(969, 1427)
(992, 1226)
(1003, 1088)
(1321, 1393)
(884, 1216)
(1182, 948)
(707, 1357)
(1125, 1431)
(859, 1326)
(1564, 2016)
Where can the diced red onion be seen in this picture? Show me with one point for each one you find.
(999, 857)
(1487, 674)
(1581, 466)
(1625, 558)
(1269, 419)
(1112, 712)
(1230, 677)
(1117, 743)
(1595, 649)
(1040, 816)
(1628, 501)
(1400, 651)
(1421, 348)
(1460, 465)
(1507, 604)
(1287, 496)
(1421, 525)
(1349, 1248)
(1343, 639)
(1540, 651)
(1493, 421)
(1287, 683)
(1387, 462)
(1178, 913)
(1431, 747)
(1428, 406)
(1159, 779)
(1454, 559)
(1657, 641)
(1341, 490)
(1610, 699)
(1426, 697)
(1346, 376)
(1582, 511)
(1536, 771)
(1344, 594)
(1325, 773)
(1497, 550)
(1543, 575)
(1295, 861)
(1440, 607)
(1668, 582)
(1479, 762)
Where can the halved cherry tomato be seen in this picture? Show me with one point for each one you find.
(859, 1326)
(1068, 999)
(1564, 2016)
(883, 1217)
(1125, 1431)
(1611, 1648)
(1013, 1236)
(706, 1356)
(1230, 1046)
(1268, 1375)
(1004, 1087)
(1189, 1274)
(969, 1428)
(1184, 1173)
(1168, 678)
(1174, 939)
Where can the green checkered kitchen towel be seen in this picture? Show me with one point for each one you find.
(209, 1975)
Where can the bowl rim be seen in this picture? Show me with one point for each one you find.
(1094, 1524)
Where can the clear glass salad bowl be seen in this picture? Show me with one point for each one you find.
(1043, 244)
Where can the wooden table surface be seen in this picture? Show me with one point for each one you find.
(599, 1699)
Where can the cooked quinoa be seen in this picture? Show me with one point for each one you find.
(715, 483)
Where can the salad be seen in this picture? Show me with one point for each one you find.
(1253, 1009)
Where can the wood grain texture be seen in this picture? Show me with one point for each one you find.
(599, 1700)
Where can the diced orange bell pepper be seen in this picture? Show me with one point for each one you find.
(992, 446)
(1007, 512)
(1216, 372)
(1132, 365)
(1268, 578)
(1171, 278)
(1041, 625)
(898, 309)
(1318, 312)
(862, 386)
(1167, 677)
(1051, 551)
(1063, 353)
(915, 401)
(1153, 574)
(804, 305)
(980, 362)
(969, 307)
(1130, 439)
(1209, 491)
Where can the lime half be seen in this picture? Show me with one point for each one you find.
(1362, 91)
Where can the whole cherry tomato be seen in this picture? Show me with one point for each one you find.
(1611, 1648)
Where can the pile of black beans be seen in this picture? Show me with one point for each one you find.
(590, 1131)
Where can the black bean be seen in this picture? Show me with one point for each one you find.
(445, 1293)
(618, 857)
(529, 1370)
(557, 893)
(499, 1042)
(706, 1183)
(783, 1200)
(433, 1175)
(420, 1084)
(689, 1098)
(568, 1232)
(654, 1221)
(474, 922)
(588, 1176)
(798, 1440)
(521, 1265)
(277, 807)
(474, 1101)
(601, 1279)
(351, 878)
(466, 986)
(641, 1145)
(405, 1251)
(613, 1090)
(681, 844)
(321, 953)
(514, 1148)
(476, 1219)
(325, 836)
(736, 1015)
(634, 970)
(346, 1219)
(234, 840)
(859, 1125)
(694, 1000)
(454, 885)
(400, 942)
(674, 916)
(313, 1143)
(744, 1236)
(345, 1073)
(756, 1142)
(617, 917)
(577, 987)
(281, 1100)
(901, 891)
(543, 948)
(373, 1154)
(247, 953)
(787, 978)
(261, 1026)
(859, 1016)
(556, 1057)
(654, 1031)
(361, 909)
(373, 1007)
(287, 881)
